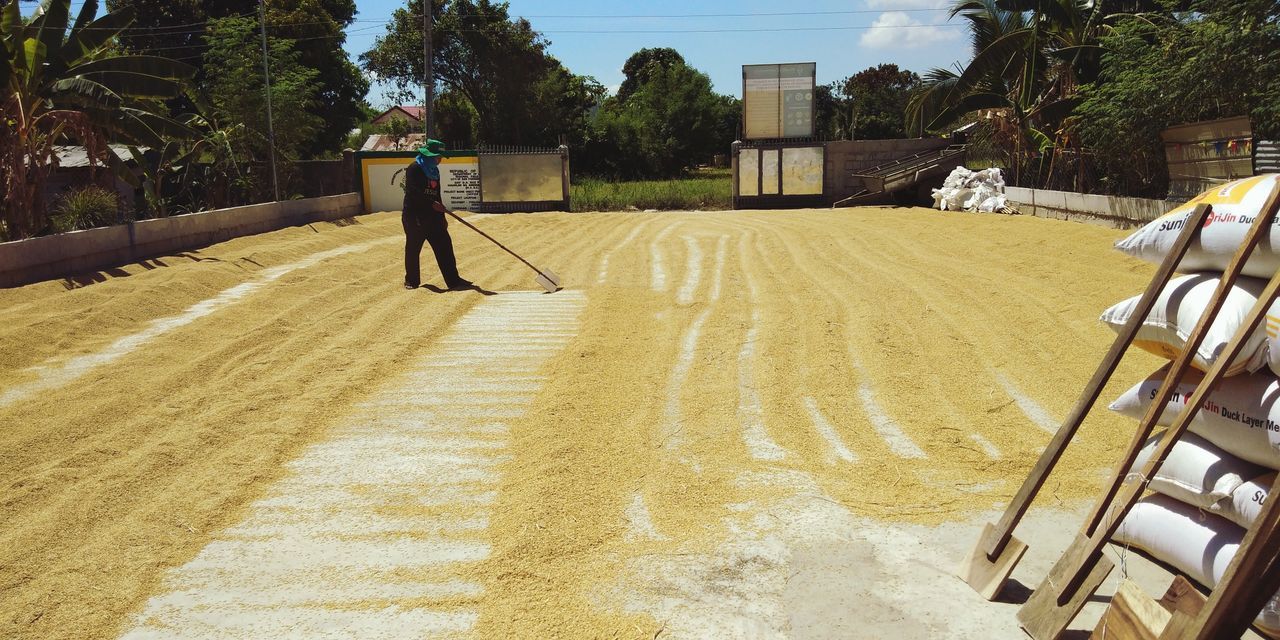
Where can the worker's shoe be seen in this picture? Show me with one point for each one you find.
(460, 284)
(410, 287)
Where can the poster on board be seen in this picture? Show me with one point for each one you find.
(460, 182)
(777, 100)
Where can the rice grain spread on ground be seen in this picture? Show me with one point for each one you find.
(642, 454)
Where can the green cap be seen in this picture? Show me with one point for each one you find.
(434, 148)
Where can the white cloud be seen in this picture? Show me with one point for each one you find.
(908, 4)
(897, 29)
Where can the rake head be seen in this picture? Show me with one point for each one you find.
(548, 280)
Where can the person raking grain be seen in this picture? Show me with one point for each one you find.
(424, 221)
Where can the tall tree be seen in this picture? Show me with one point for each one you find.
(877, 99)
(670, 122)
(641, 66)
(498, 64)
(236, 94)
(179, 28)
(1221, 59)
(1029, 57)
(63, 83)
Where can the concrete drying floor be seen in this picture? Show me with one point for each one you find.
(764, 424)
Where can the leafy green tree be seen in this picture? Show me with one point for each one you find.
(1162, 69)
(317, 28)
(236, 94)
(1029, 57)
(671, 122)
(179, 28)
(641, 66)
(833, 115)
(63, 84)
(519, 94)
(877, 99)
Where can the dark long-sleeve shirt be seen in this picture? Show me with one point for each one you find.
(421, 194)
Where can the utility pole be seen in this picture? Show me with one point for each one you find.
(266, 74)
(428, 78)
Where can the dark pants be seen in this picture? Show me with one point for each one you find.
(430, 227)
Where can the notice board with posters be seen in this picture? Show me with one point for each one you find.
(777, 100)
(381, 175)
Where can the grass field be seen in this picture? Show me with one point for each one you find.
(704, 190)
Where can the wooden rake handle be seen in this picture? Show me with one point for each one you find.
(999, 536)
(491, 239)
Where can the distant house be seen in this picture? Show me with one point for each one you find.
(382, 142)
(407, 113)
(73, 171)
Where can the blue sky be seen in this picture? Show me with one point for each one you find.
(842, 36)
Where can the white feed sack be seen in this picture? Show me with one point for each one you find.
(1199, 544)
(1179, 307)
(1195, 472)
(1235, 205)
(966, 190)
(1240, 417)
(1247, 500)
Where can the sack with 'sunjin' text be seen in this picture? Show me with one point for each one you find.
(1235, 205)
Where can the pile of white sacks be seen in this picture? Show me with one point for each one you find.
(1216, 478)
(966, 190)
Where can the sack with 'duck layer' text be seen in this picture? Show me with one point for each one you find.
(1241, 416)
(1178, 308)
(1235, 205)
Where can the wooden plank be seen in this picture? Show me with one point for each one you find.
(988, 577)
(1250, 580)
(1121, 496)
(1050, 609)
(994, 539)
(1182, 596)
(1259, 229)
(1132, 615)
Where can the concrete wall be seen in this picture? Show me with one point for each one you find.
(1113, 211)
(27, 261)
(844, 157)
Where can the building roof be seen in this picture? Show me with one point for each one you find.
(411, 111)
(380, 142)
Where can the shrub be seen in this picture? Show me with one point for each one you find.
(85, 208)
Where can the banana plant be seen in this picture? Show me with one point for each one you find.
(1029, 57)
(61, 82)
(158, 167)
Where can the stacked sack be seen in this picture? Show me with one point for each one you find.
(966, 190)
(1217, 476)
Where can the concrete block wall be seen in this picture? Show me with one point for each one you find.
(844, 157)
(26, 261)
(1114, 211)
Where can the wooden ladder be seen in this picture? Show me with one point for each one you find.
(1083, 567)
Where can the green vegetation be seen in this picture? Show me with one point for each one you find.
(501, 87)
(869, 105)
(1163, 70)
(1081, 90)
(704, 189)
(313, 28)
(85, 208)
(64, 83)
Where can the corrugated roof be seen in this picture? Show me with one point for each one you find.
(71, 157)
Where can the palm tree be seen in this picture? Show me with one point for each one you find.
(62, 83)
(1029, 58)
